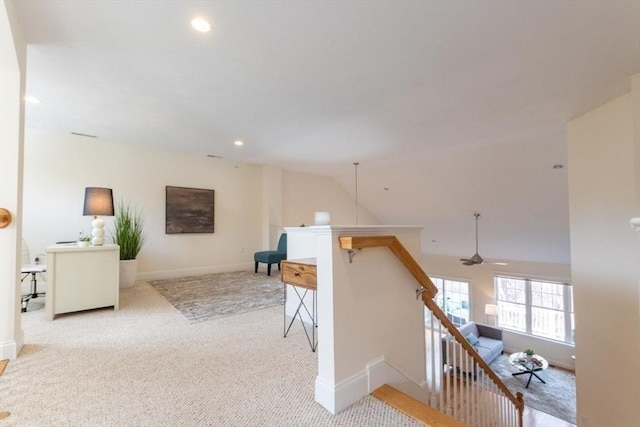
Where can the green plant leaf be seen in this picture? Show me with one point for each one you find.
(128, 227)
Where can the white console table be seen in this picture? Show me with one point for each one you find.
(81, 278)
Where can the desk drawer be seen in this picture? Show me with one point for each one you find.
(303, 275)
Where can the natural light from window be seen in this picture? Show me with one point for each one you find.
(534, 307)
(453, 299)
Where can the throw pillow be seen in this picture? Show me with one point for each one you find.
(473, 340)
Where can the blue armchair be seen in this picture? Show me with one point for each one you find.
(272, 257)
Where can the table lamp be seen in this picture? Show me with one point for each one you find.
(98, 201)
(490, 310)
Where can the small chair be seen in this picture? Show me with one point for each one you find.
(31, 270)
(272, 257)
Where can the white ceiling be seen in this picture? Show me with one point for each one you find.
(454, 106)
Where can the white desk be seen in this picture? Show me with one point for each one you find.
(81, 278)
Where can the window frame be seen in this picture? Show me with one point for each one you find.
(444, 291)
(567, 306)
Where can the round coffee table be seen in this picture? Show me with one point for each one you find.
(528, 365)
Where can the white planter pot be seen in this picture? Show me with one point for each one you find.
(128, 269)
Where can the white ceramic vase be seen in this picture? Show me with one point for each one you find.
(128, 269)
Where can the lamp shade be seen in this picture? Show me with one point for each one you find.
(98, 201)
(490, 309)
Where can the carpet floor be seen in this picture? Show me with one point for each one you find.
(146, 365)
(557, 397)
(212, 296)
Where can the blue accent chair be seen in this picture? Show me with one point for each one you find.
(272, 257)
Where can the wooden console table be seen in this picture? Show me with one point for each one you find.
(82, 278)
(301, 273)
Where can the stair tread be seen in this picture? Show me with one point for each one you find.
(414, 408)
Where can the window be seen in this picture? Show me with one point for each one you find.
(535, 307)
(453, 299)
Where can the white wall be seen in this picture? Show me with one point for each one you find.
(603, 188)
(371, 327)
(59, 166)
(13, 53)
(252, 202)
(271, 206)
(481, 292)
(304, 194)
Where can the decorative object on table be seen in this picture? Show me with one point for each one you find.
(529, 353)
(98, 201)
(128, 227)
(189, 210)
(491, 310)
(83, 240)
(322, 218)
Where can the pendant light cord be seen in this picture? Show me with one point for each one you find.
(355, 164)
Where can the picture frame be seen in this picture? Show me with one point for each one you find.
(189, 210)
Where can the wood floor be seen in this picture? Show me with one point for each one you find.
(434, 418)
(534, 418)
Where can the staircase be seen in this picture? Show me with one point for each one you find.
(462, 389)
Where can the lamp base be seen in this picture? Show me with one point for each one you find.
(97, 232)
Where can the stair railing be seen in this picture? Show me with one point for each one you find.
(485, 401)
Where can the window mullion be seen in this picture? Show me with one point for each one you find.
(566, 293)
(528, 301)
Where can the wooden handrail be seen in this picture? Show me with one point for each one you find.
(394, 245)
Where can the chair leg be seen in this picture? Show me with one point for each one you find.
(279, 267)
(256, 266)
(268, 269)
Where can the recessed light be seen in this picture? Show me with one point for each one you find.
(239, 143)
(32, 99)
(201, 24)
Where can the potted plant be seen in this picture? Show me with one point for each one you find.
(127, 233)
(83, 240)
(529, 352)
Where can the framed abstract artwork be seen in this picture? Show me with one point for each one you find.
(189, 210)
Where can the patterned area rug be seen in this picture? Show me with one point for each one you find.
(202, 298)
(557, 397)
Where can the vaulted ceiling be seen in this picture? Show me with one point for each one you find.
(450, 107)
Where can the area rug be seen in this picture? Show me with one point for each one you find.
(212, 296)
(557, 397)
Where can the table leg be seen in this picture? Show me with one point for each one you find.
(532, 373)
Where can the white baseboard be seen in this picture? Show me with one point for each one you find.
(172, 274)
(336, 399)
(382, 371)
(377, 373)
(11, 349)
